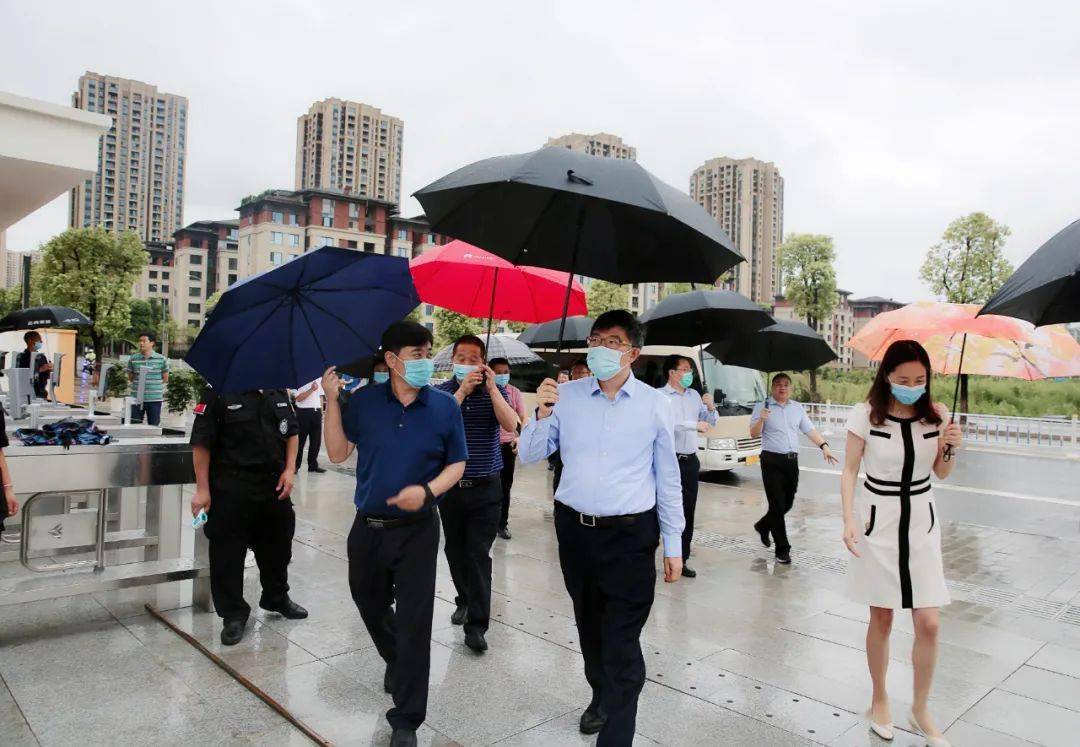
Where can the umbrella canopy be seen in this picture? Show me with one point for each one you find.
(785, 345)
(283, 327)
(1046, 288)
(470, 281)
(500, 346)
(37, 317)
(546, 335)
(702, 316)
(361, 368)
(606, 218)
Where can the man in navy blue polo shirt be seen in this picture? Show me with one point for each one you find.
(472, 509)
(410, 449)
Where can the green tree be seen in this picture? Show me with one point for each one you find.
(414, 315)
(670, 289)
(604, 296)
(810, 281)
(516, 326)
(450, 325)
(92, 270)
(142, 318)
(968, 266)
(10, 300)
(211, 303)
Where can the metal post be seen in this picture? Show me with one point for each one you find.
(26, 264)
(99, 540)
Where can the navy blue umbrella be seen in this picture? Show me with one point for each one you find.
(283, 327)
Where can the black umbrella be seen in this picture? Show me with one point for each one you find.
(785, 345)
(499, 346)
(37, 317)
(606, 218)
(546, 334)
(702, 316)
(361, 368)
(1046, 288)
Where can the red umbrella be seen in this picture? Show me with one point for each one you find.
(471, 281)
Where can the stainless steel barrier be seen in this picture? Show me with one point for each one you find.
(117, 477)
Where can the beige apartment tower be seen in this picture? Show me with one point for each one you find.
(139, 185)
(601, 144)
(747, 197)
(349, 147)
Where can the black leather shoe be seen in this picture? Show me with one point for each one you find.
(783, 557)
(688, 571)
(233, 631)
(764, 534)
(316, 469)
(388, 680)
(287, 608)
(504, 532)
(592, 721)
(460, 615)
(403, 738)
(476, 641)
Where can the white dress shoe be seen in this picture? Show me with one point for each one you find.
(885, 731)
(930, 741)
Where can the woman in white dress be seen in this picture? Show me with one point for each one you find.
(898, 436)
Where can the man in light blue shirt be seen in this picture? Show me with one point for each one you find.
(693, 414)
(619, 494)
(778, 421)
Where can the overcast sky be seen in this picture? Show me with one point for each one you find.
(887, 120)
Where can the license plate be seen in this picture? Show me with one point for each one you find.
(753, 459)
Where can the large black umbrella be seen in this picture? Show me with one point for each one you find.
(37, 317)
(1046, 288)
(546, 334)
(785, 345)
(702, 316)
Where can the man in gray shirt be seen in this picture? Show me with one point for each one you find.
(778, 421)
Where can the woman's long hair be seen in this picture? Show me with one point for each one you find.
(880, 397)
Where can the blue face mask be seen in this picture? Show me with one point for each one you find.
(38, 346)
(502, 379)
(907, 395)
(380, 377)
(418, 372)
(686, 379)
(461, 371)
(604, 363)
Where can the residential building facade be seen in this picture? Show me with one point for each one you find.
(205, 260)
(157, 275)
(747, 197)
(12, 267)
(350, 147)
(837, 329)
(139, 184)
(862, 311)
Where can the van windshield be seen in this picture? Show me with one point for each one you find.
(741, 386)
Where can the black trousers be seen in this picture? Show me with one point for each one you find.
(556, 462)
(245, 513)
(310, 421)
(398, 563)
(780, 475)
(689, 472)
(507, 478)
(610, 574)
(470, 519)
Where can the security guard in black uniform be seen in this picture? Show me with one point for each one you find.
(244, 453)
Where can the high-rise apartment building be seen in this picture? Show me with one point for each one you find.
(747, 197)
(349, 147)
(139, 185)
(642, 296)
(601, 144)
(862, 311)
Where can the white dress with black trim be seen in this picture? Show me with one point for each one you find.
(900, 565)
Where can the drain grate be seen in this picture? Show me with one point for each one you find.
(986, 596)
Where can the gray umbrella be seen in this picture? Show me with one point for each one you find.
(518, 353)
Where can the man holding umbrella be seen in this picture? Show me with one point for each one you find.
(472, 509)
(693, 414)
(620, 494)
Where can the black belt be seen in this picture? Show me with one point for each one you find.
(686, 457)
(475, 482)
(588, 520)
(782, 455)
(390, 522)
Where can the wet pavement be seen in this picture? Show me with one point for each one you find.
(748, 653)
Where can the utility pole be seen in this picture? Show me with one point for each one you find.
(26, 260)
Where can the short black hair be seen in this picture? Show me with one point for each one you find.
(781, 376)
(498, 362)
(672, 362)
(31, 335)
(405, 334)
(579, 362)
(149, 335)
(623, 319)
(470, 340)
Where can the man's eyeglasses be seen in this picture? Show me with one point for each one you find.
(612, 343)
